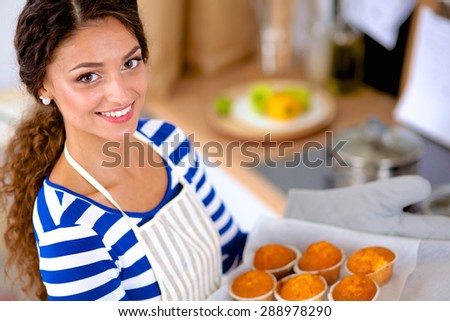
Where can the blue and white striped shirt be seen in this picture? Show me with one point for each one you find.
(87, 251)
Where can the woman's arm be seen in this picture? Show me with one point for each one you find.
(76, 265)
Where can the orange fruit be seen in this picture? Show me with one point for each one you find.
(283, 106)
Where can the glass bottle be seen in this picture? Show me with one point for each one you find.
(318, 50)
(347, 55)
(275, 19)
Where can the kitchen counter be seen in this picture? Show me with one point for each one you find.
(186, 109)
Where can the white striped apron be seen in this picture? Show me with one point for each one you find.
(180, 241)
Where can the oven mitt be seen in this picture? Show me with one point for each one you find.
(375, 207)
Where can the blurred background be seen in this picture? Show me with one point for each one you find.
(210, 35)
(212, 61)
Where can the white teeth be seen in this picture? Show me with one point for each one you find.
(119, 113)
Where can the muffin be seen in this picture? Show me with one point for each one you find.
(253, 285)
(277, 259)
(355, 287)
(322, 258)
(301, 287)
(376, 262)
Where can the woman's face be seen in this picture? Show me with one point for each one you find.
(98, 81)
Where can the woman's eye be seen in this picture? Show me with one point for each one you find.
(132, 63)
(88, 78)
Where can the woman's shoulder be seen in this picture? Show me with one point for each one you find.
(57, 206)
(161, 132)
(171, 141)
(158, 130)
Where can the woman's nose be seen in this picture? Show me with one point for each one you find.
(117, 90)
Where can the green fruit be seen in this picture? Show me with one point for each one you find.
(302, 94)
(223, 106)
(259, 93)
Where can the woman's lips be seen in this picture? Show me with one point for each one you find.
(118, 115)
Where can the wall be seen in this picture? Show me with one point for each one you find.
(8, 80)
(8, 67)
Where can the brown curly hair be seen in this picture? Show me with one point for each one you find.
(39, 138)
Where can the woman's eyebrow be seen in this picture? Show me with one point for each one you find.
(132, 52)
(87, 65)
(100, 64)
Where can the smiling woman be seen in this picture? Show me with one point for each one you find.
(151, 228)
(98, 83)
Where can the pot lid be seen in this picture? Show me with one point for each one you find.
(375, 144)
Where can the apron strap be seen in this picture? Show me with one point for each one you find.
(89, 177)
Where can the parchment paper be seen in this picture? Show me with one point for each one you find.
(302, 233)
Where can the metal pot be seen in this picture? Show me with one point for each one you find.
(373, 151)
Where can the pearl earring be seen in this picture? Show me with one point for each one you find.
(45, 100)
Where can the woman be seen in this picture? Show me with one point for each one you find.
(82, 226)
